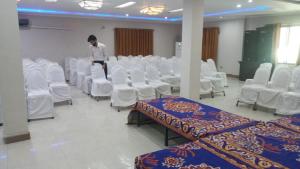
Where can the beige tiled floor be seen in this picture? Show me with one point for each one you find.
(92, 135)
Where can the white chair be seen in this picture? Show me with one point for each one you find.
(206, 87)
(295, 77)
(73, 71)
(123, 95)
(251, 88)
(289, 102)
(268, 96)
(59, 89)
(67, 68)
(144, 91)
(101, 87)
(165, 68)
(112, 59)
(266, 65)
(217, 83)
(153, 78)
(81, 69)
(87, 80)
(39, 99)
(221, 75)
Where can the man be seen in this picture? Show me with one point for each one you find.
(97, 52)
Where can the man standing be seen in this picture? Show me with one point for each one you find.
(97, 52)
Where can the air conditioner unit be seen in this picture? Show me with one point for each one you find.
(24, 23)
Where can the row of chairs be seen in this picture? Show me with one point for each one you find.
(45, 85)
(124, 86)
(281, 93)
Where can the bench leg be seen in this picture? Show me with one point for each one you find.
(138, 119)
(166, 136)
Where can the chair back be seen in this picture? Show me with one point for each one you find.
(119, 76)
(35, 79)
(73, 64)
(281, 78)
(262, 75)
(212, 65)
(97, 71)
(137, 76)
(152, 73)
(55, 74)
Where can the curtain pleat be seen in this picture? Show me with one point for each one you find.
(210, 43)
(133, 41)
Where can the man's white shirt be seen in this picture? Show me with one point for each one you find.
(98, 53)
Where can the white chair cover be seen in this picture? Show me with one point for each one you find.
(73, 71)
(67, 68)
(217, 83)
(252, 87)
(222, 75)
(100, 86)
(123, 95)
(39, 99)
(289, 102)
(81, 70)
(167, 76)
(144, 91)
(206, 87)
(161, 88)
(268, 97)
(266, 65)
(59, 89)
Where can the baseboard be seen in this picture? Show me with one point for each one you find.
(17, 138)
(234, 76)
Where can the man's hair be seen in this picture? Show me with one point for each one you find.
(92, 38)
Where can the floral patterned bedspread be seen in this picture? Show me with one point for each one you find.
(264, 145)
(191, 119)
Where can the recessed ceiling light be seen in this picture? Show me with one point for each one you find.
(250, 1)
(239, 5)
(127, 4)
(176, 10)
(51, 0)
(166, 17)
(91, 4)
(127, 14)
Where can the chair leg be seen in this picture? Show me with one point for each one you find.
(255, 107)
(71, 102)
(224, 93)
(118, 109)
(212, 94)
(110, 104)
(237, 103)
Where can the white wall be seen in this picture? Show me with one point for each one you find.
(71, 42)
(230, 45)
(255, 22)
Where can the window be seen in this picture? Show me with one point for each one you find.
(289, 45)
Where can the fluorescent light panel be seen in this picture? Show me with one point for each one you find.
(127, 4)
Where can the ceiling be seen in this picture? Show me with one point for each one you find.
(214, 9)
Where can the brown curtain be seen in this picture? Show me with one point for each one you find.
(210, 43)
(133, 42)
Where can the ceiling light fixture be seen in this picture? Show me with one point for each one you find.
(250, 1)
(152, 10)
(91, 4)
(127, 4)
(51, 0)
(127, 15)
(176, 10)
(239, 5)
